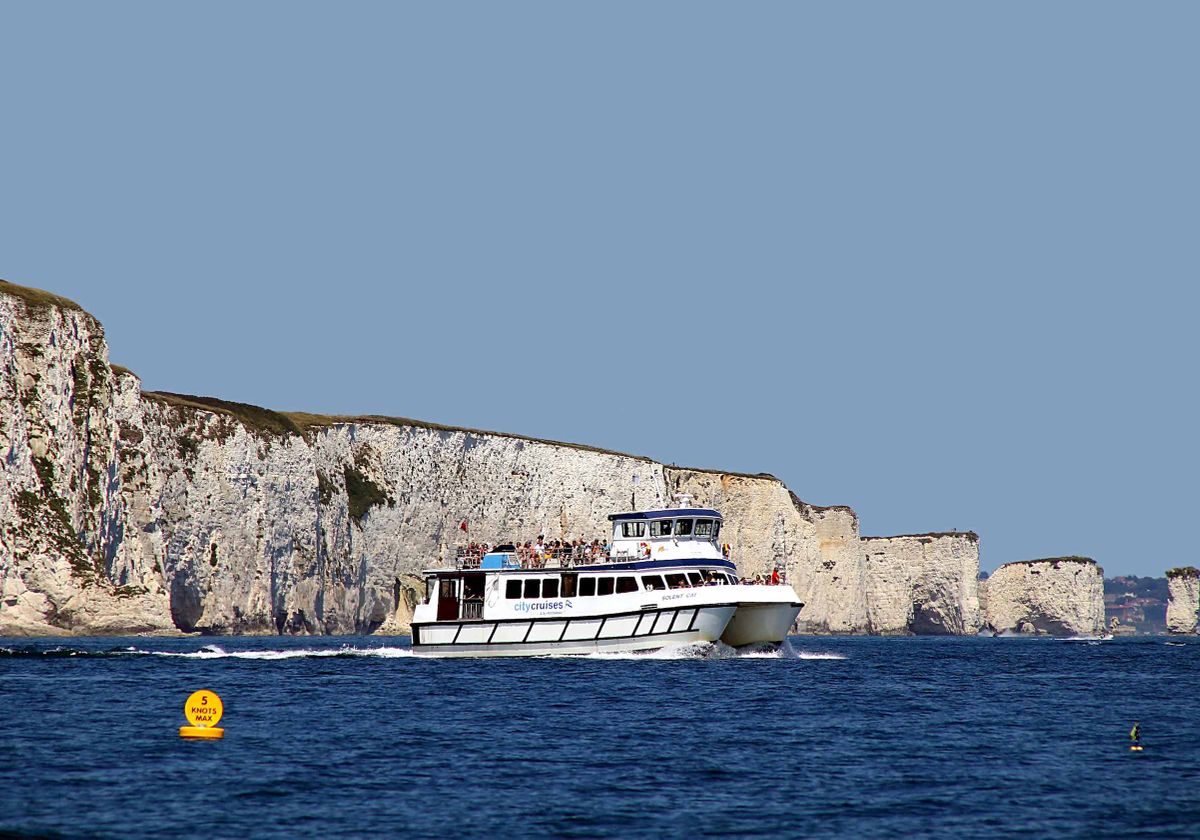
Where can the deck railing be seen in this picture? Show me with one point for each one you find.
(547, 559)
(562, 558)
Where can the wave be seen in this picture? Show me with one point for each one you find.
(217, 652)
(206, 652)
(703, 650)
(696, 651)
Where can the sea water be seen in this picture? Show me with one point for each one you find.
(828, 737)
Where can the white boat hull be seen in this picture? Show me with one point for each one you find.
(758, 623)
(644, 630)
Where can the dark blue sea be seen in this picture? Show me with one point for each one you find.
(831, 737)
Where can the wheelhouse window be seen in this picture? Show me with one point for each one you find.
(704, 528)
(605, 587)
(677, 581)
(660, 527)
(633, 529)
(446, 588)
(430, 585)
(695, 578)
(626, 583)
(512, 589)
(683, 527)
(550, 588)
(716, 529)
(587, 587)
(532, 588)
(653, 582)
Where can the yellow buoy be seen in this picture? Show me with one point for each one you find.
(203, 710)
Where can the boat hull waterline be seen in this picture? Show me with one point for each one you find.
(643, 631)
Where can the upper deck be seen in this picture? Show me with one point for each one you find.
(674, 534)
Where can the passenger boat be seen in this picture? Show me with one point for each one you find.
(664, 579)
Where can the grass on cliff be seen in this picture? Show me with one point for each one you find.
(37, 297)
(970, 536)
(271, 422)
(1074, 558)
(362, 494)
(252, 416)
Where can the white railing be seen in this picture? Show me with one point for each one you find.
(563, 557)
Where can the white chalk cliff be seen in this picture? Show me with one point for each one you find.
(1183, 588)
(129, 511)
(1058, 596)
(923, 584)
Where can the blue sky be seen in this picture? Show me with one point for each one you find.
(936, 261)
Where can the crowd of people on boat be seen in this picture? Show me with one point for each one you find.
(540, 553)
(536, 554)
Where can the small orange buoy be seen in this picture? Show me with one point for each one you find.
(203, 710)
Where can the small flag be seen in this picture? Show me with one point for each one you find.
(463, 526)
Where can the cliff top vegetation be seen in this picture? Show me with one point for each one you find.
(253, 417)
(37, 297)
(969, 535)
(1074, 558)
(1183, 571)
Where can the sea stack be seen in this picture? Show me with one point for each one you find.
(1055, 596)
(1183, 584)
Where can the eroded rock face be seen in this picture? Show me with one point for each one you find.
(126, 511)
(1061, 596)
(1183, 586)
(60, 503)
(925, 584)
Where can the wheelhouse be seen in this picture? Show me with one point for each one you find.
(647, 533)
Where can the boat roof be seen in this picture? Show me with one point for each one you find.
(673, 513)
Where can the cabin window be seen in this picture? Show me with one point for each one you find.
(626, 584)
(550, 588)
(446, 588)
(704, 528)
(430, 585)
(653, 582)
(568, 585)
(633, 529)
(683, 527)
(716, 529)
(732, 579)
(660, 528)
(676, 581)
(696, 578)
(512, 589)
(587, 587)
(605, 587)
(532, 587)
